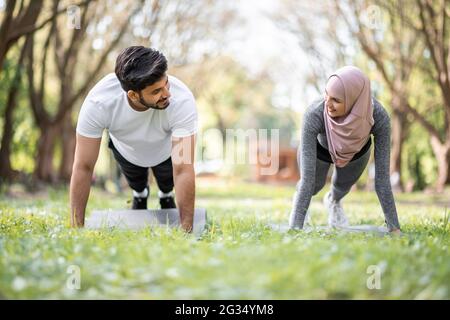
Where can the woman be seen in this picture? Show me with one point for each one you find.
(338, 129)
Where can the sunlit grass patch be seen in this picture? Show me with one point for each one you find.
(237, 257)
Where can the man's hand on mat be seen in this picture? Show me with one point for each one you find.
(187, 224)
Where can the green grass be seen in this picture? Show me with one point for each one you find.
(238, 257)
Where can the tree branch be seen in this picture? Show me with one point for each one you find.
(92, 76)
(25, 30)
(35, 101)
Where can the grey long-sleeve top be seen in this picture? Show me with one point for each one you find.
(313, 129)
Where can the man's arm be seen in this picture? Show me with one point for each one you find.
(184, 178)
(86, 154)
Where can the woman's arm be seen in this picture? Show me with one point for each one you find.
(382, 138)
(307, 153)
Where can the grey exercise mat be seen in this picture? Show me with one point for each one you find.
(281, 227)
(137, 219)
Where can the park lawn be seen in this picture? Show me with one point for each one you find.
(238, 257)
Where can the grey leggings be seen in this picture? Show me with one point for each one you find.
(343, 178)
(313, 172)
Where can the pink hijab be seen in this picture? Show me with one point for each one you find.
(347, 134)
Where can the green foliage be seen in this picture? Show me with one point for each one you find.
(229, 97)
(238, 257)
(25, 137)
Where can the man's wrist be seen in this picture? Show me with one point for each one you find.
(187, 223)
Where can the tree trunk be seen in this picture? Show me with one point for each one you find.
(442, 153)
(6, 171)
(7, 19)
(68, 148)
(44, 170)
(448, 169)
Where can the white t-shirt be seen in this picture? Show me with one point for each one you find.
(143, 138)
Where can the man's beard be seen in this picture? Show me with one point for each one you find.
(150, 106)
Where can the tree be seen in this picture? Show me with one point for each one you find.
(6, 171)
(66, 47)
(431, 28)
(434, 27)
(317, 36)
(394, 49)
(149, 22)
(18, 21)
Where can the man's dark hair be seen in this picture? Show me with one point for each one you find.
(138, 67)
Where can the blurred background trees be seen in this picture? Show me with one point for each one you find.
(52, 52)
(404, 48)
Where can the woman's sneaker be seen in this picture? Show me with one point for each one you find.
(336, 215)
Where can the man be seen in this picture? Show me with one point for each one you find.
(151, 119)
